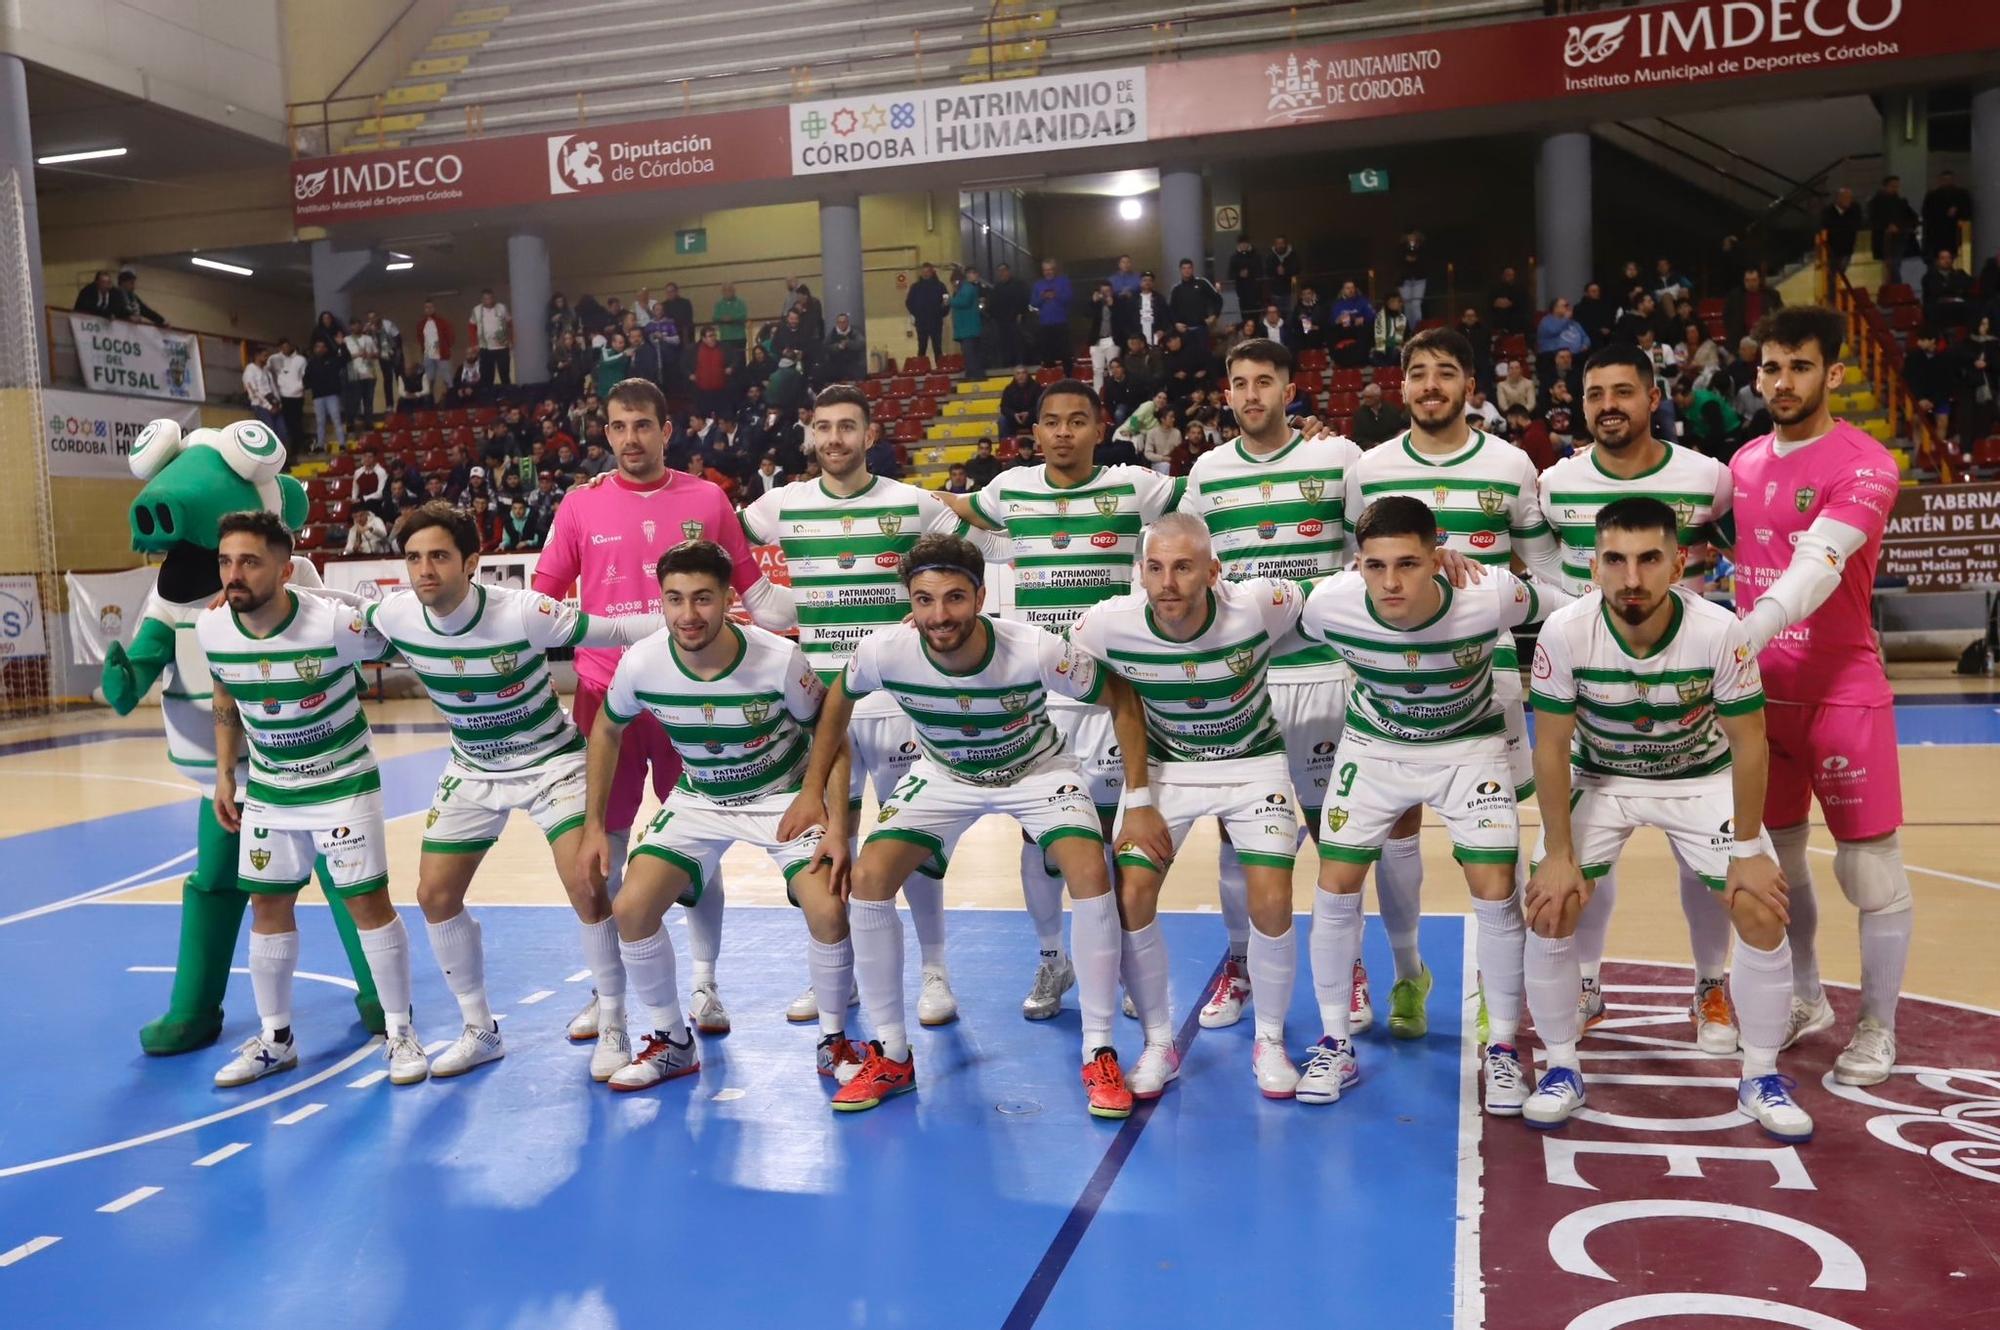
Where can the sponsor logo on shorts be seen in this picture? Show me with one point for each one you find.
(908, 748)
(1277, 800)
(1324, 748)
(1835, 763)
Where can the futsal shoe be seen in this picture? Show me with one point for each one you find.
(1559, 1094)
(1360, 1006)
(839, 1058)
(613, 1051)
(1409, 1006)
(705, 1009)
(1869, 1057)
(1768, 1099)
(879, 1078)
(1807, 1018)
(256, 1058)
(1277, 1077)
(474, 1047)
(1158, 1066)
(805, 1007)
(660, 1059)
(1053, 978)
(583, 1025)
(1105, 1084)
(408, 1063)
(1506, 1085)
(1225, 1001)
(1330, 1068)
(936, 1003)
(1713, 1018)
(1590, 1004)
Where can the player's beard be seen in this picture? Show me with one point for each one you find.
(715, 631)
(243, 600)
(945, 638)
(1807, 408)
(1629, 435)
(1637, 612)
(1450, 412)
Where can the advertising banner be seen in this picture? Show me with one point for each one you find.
(89, 435)
(21, 636)
(137, 359)
(1943, 537)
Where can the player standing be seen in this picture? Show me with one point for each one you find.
(1811, 500)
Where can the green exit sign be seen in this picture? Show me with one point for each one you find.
(1371, 181)
(691, 242)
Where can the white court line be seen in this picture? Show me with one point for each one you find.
(1927, 872)
(228, 1151)
(25, 1250)
(537, 996)
(298, 1115)
(139, 878)
(128, 1200)
(181, 787)
(1469, 1288)
(578, 977)
(374, 1077)
(436, 1046)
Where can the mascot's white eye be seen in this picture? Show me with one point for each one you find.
(251, 448)
(158, 444)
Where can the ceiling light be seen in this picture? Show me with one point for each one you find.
(1130, 209)
(220, 266)
(90, 156)
(404, 266)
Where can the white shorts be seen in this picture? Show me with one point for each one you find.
(470, 808)
(694, 834)
(1254, 802)
(885, 745)
(1090, 741)
(1370, 792)
(1700, 829)
(1312, 715)
(280, 859)
(932, 809)
(1520, 753)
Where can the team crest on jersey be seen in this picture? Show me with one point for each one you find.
(1439, 495)
(1311, 488)
(430, 819)
(755, 712)
(691, 530)
(1240, 660)
(1805, 497)
(647, 528)
(1492, 502)
(886, 814)
(1062, 507)
(1770, 491)
(308, 667)
(1106, 504)
(1190, 668)
(1336, 818)
(1016, 701)
(964, 702)
(1265, 489)
(458, 664)
(1413, 658)
(1691, 689)
(259, 858)
(263, 669)
(1642, 687)
(708, 712)
(1468, 654)
(505, 661)
(1683, 511)
(891, 523)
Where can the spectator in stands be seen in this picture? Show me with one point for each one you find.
(1025, 454)
(968, 322)
(956, 480)
(100, 297)
(596, 459)
(845, 359)
(793, 344)
(1156, 446)
(786, 388)
(680, 310)
(1107, 319)
(519, 531)
(1142, 312)
(1351, 331)
(1946, 209)
(1509, 303)
(1665, 356)
(1481, 337)
(1841, 220)
(1480, 412)
(1517, 389)
(1931, 374)
(1245, 331)
(367, 533)
(711, 372)
(1017, 404)
(362, 359)
(1639, 314)
(1893, 223)
(371, 480)
(129, 306)
(1947, 290)
(1376, 421)
(1247, 275)
(812, 315)
(1708, 422)
(1670, 285)
(613, 367)
(1979, 385)
(1700, 357)
(499, 449)
(1564, 367)
(434, 348)
(729, 450)
(1007, 305)
(326, 380)
(561, 318)
(492, 533)
(1124, 277)
(492, 332)
(1309, 320)
(401, 498)
(1120, 393)
(926, 302)
(1559, 331)
(1282, 269)
(1749, 303)
(1187, 366)
(1595, 314)
(1194, 303)
(288, 372)
(1275, 328)
(1144, 365)
(1392, 328)
(668, 336)
(261, 387)
(731, 322)
(1051, 304)
(389, 355)
(881, 453)
(1559, 413)
(1531, 436)
(767, 477)
(983, 466)
(1413, 274)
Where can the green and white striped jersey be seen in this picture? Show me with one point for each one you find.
(742, 735)
(990, 724)
(1425, 693)
(1280, 514)
(1075, 546)
(1694, 485)
(845, 554)
(1647, 724)
(1206, 699)
(311, 756)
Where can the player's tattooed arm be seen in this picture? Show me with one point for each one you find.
(228, 746)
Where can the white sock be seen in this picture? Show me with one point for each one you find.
(621, 847)
(877, 934)
(388, 951)
(607, 971)
(1274, 966)
(1335, 944)
(704, 924)
(1593, 925)
(1044, 898)
(832, 966)
(1709, 928)
(1143, 961)
(274, 959)
(1761, 988)
(1554, 983)
(1802, 930)
(456, 942)
(1234, 891)
(1094, 944)
(1501, 950)
(1399, 890)
(1885, 951)
(923, 897)
(649, 967)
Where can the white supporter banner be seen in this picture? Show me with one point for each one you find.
(1033, 115)
(90, 434)
(136, 358)
(21, 635)
(106, 608)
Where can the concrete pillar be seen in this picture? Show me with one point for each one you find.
(1985, 173)
(840, 258)
(528, 291)
(333, 271)
(1906, 141)
(1563, 217)
(17, 157)
(1183, 223)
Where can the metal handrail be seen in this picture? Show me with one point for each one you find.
(1882, 364)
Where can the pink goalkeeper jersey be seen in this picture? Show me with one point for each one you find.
(607, 539)
(1831, 656)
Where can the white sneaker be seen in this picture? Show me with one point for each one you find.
(1590, 1004)
(1158, 1065)
(1130, 1010)
(1225, 1001)
(705, 1009)
(256, 1058)
(936, 1005)
(1053, 978)
(1808, 1018)
(472, 1048)
(1277, 1077)
(583, 1025)
(1869, 1057)
(1769, 1100)
(1506, 1086)
(659, 1060)
(1713, 1018)
(1360, 1006)
(839, 1058)
(1330, 1068)
(407, 1063)
(805, 1007)
(614, 1050)
(1559, 1094)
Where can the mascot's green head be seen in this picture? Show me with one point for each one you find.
(192, 481)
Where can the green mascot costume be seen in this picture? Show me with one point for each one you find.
(190, 483)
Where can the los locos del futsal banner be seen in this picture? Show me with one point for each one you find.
(137, 359)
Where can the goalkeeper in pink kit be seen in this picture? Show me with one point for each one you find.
(1811, 500)
(605, 541)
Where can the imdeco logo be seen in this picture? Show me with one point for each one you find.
(1596, 43)
(311, 185)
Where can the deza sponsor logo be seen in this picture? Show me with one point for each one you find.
(1713, 30)
(430, 175)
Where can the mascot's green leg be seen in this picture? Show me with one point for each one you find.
(211, 915)
(366, 1004)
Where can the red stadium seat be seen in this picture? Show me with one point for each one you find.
(316, 511)
(952, 364)
(1906, 318)
(434, 460)
(431, 438)
(909, 431)
(454, 416)
(902, 386)
(917, 365)
(924, 408)
(1308, 379)
(1712, 308)
(1347, 380)
(1343, 403)
(1313, 359)
(1048, 375)
(1896, 293)
(341, 464)
(1986, 458)
(1389, 377)
(937, 385)
(423, 418)
(1513, 347)
(485, 415)
(872, 389)
(1393, 396)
